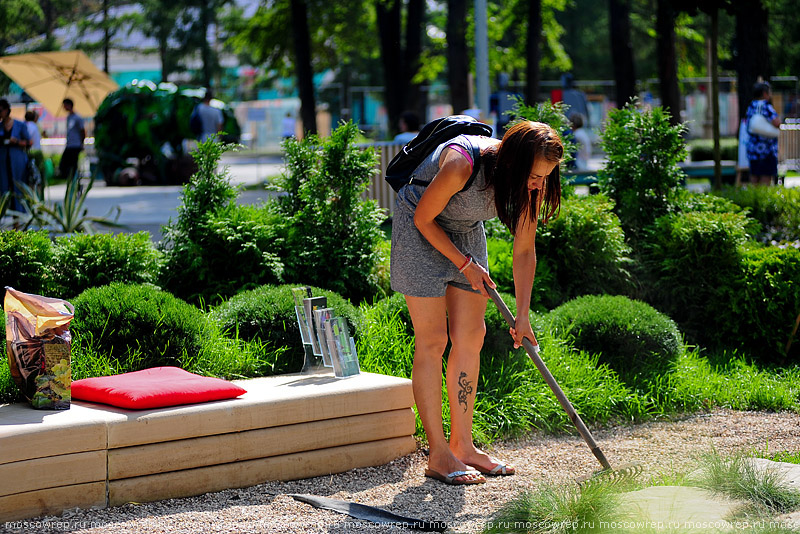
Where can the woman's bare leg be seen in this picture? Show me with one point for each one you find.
(429, 316)
(467, 332)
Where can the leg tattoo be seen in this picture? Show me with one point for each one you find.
(465, 389)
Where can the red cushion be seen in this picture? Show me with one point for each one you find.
(154, 388)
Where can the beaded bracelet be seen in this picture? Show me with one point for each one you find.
(466, 264)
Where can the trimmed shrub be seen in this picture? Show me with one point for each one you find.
(630, 336)
(332, 235)
(216, 247)
(267, 314)
(581, 252)
(138, 323)
(642, 171)
(689, 257)
(686, 200)
(703, 149)
(776, 208)
(758, 313)
(24, 260)
(586, 248)
(82, 261)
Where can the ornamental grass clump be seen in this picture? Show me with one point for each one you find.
(559, 509)
(739, 477)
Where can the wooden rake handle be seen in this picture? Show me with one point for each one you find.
(533, 353)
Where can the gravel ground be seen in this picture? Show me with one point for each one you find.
(400, 486)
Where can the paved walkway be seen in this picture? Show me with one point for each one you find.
(147, 208)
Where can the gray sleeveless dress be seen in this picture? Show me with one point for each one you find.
(417, 268)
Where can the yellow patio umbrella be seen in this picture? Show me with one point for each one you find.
(50, 77)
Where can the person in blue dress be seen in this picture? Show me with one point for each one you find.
(762, 152)
(13, 156)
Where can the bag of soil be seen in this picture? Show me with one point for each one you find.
(38, 346)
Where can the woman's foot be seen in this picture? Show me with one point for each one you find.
(449, 469)
(488, 465)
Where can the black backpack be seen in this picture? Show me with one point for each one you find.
(401, 169)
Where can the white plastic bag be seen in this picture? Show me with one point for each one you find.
(759, 125)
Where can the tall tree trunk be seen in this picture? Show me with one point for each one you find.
(752, 50)
(206, 19)
(415, 98)
(388, 18)
(533, 51)
(667, 62)
(715, 97)
(457, 58)
(50, 19)
(106, 36)
(622, 50)
(302, 61)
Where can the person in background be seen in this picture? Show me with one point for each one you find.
(501, 102)
(76, 133)
(13, 159)
(762, 152)
(574, 98)
(34, 134)
(409, 127)
(288, 125)
(210, 116)
(583, 140)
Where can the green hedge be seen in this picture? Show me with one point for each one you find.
(585, 247)
(776, 208)
(24, 260)
(267, 314)
(82, 261)
(582, 251)
(138, 323)
(688, 257)
(703, 149)
(634, 339)
(758, 312)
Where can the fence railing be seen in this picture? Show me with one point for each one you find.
(789, 145)
(378, 189)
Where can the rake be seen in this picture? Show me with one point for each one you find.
(625, 472)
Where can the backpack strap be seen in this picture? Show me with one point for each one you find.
(476, 156)
(475, 160)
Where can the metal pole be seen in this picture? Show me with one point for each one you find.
(482, 58)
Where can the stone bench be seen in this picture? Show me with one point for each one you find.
(284, 428)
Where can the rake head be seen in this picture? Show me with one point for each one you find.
(611, 477)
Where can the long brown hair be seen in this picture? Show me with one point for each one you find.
(513, 160)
